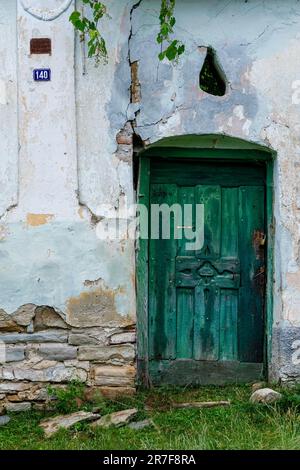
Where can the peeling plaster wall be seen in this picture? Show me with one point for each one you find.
(59, 164)
(66, 149)
(65, 175)
(257, 45)
(103, 98)
(8, 106)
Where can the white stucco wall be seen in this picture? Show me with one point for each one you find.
(8, 106)
(64, 142)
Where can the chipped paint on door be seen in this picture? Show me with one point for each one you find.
(206, 308)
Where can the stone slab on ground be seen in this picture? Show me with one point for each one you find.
(139, 425)
(4, 420)
(120, 418)
(265, 395)
(51, 426)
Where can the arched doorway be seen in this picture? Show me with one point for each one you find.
(205, 310)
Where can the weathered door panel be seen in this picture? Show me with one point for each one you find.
(251, 293)
(192, 372)
(228, 325)
(206, 306)
(162, 299)
(210, 196)
(185, 323)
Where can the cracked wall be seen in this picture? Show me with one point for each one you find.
(66, 149)
(257, 46)
(67, 297)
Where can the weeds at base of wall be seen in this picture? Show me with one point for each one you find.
(69, 399)
(243, 425)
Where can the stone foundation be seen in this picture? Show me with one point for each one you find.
(285, 368)
(39, 348)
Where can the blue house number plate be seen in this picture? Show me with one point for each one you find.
(42, 75)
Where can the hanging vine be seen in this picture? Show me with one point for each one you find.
(90, 27)
(167, 22)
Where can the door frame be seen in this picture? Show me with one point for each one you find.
(217, 148)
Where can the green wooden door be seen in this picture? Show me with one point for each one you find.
(206, 307)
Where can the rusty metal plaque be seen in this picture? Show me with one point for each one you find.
(40, 46)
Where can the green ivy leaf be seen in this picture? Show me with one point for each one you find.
(96, 43)
(167, 21)
(171, 52)
(74, 16)
(172, 21)
(181, 49)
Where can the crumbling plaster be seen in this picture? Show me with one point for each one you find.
(63, 164)
(70, 162)
(67, 297)
(257, 45)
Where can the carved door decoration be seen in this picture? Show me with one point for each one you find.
(46, 10)
(206, 307)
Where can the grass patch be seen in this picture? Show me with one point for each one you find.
(240, 426)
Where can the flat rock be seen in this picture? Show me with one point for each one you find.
(137, 426)
(85, 365)
(51, 426)
(46, 317)
(120, 418)
(14, 353)
(4, 420)
(18, 407)
(114, 376)
(56, 373)
(24, 315)
(258, 386)
(14, 387)
(265, 395)
(88, 336)
(47, 336)
(81, 339)
(7, 323)
(125, 337)
(202, 404)
(119, 353)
